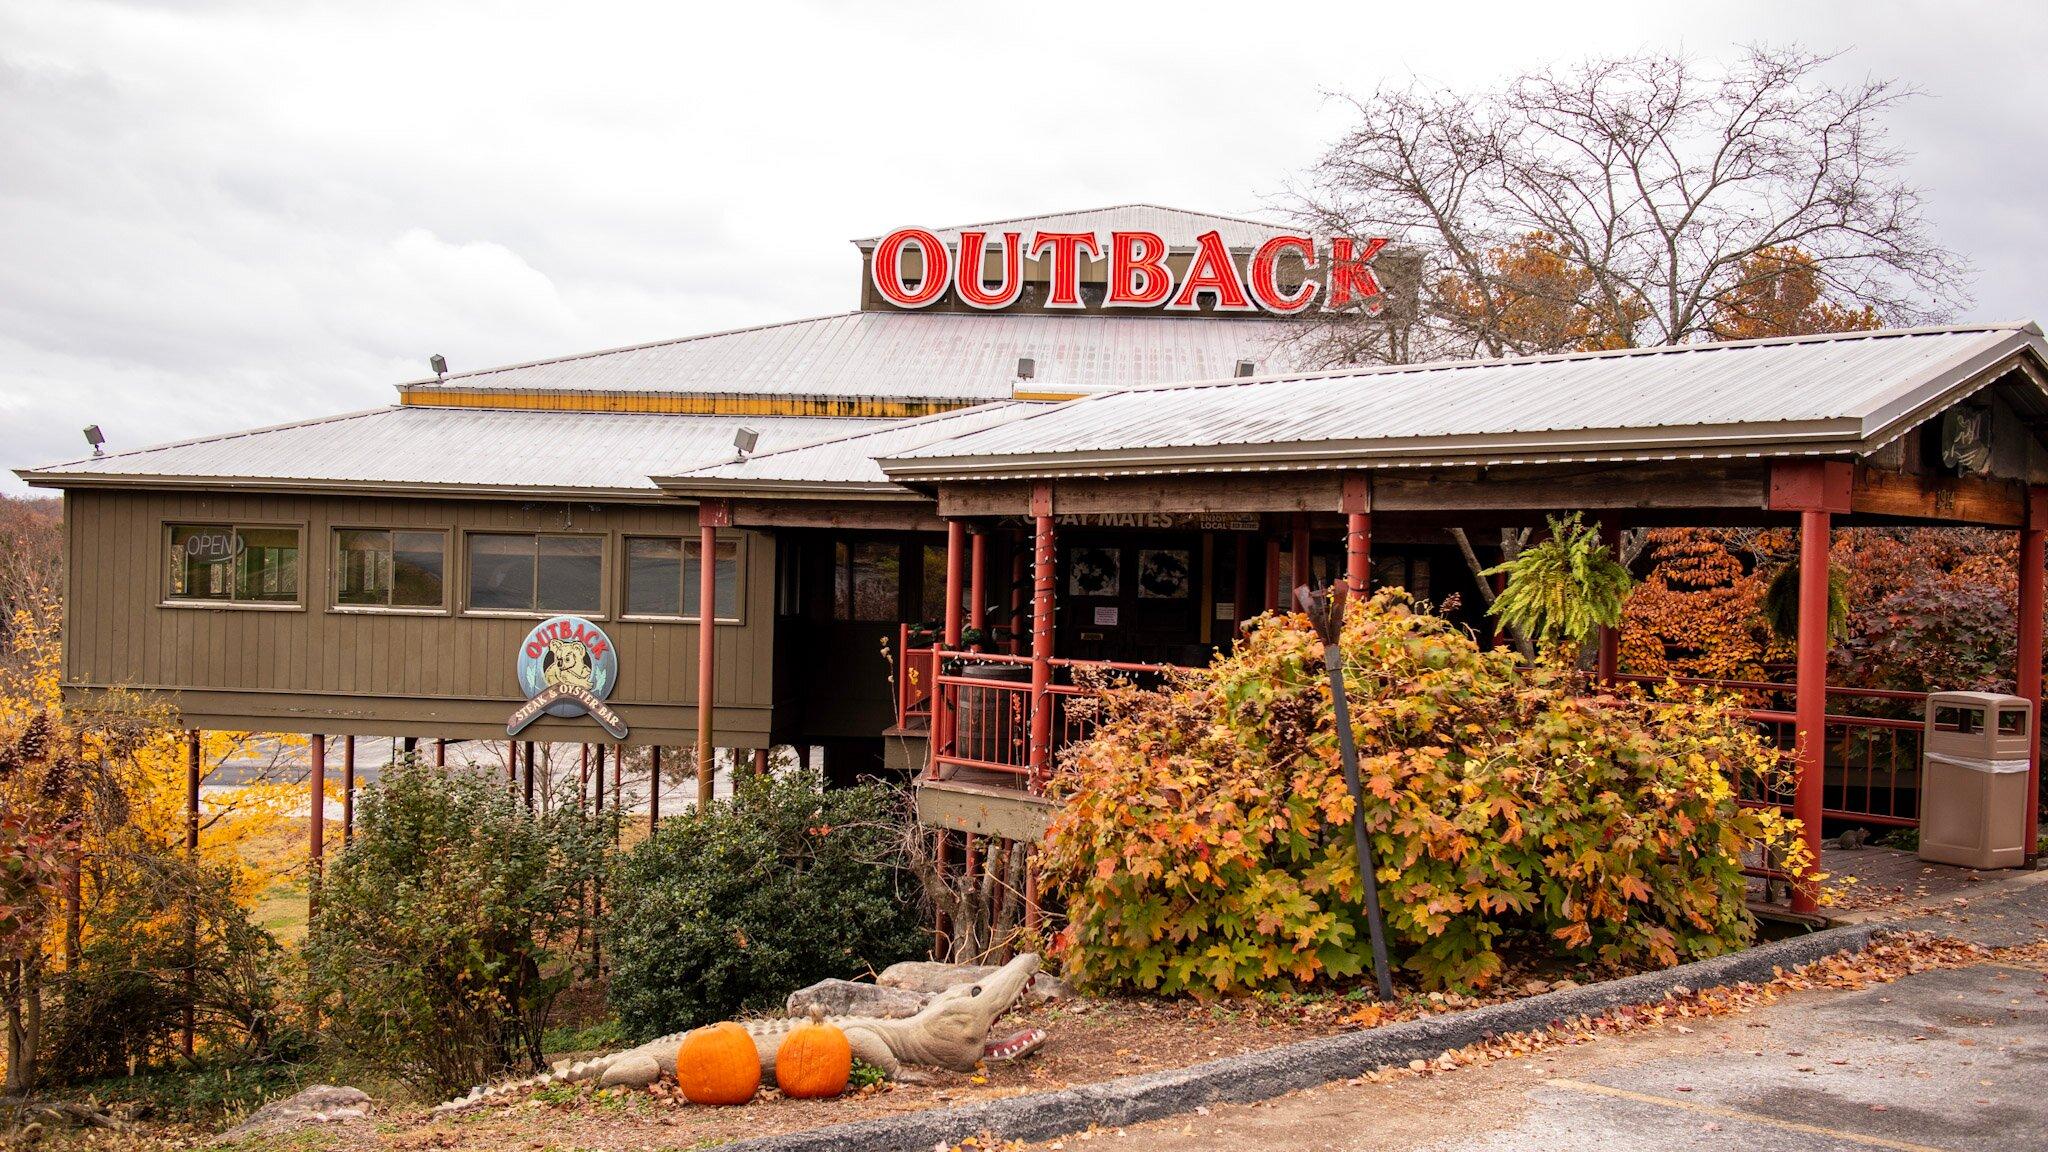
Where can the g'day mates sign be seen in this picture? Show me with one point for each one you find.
(1335, 275)
(567, 668)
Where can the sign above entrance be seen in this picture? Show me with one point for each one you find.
(1200, 521)
(567, 668)
(1284, 275)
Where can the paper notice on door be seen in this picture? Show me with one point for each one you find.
(1106, 616)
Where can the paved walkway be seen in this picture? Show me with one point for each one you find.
(1948, 1060)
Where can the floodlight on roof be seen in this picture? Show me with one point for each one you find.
(1247, 367)
(439, 364)
(95, 437)
(1026, 368)
(745, 439)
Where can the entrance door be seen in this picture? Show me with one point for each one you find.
(1130, 596)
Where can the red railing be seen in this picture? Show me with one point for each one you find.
(984, 710)
(913, 682)
(1870, 763)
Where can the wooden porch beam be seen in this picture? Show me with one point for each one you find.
(1942, 499)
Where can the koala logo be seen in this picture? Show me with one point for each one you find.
(567, 665)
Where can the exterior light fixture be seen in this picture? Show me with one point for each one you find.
(744, 440)
(1026, 368)
(95, 437)
(1246, 367)
(439, 364)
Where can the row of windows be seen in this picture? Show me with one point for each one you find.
(518, 572)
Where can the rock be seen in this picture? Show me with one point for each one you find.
(634, 1072)
(930, 976)
(319, 1104)
(853, 998)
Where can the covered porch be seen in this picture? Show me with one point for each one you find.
(1759, 448)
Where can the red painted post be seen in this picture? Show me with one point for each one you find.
(1811, 694)
(654, 790)
(1241, 584)
(1302, 572)
(441, 753)
(2033, 552)
(956, 575)
(190, 1032)
(760, 761)
(316, 823)
(1272, 596)
(348, 790)
(1357, 508)
(597, 805)
(1606, 666)
(711, 516)
(1017, 567)
(977, 588)
(1041, 633)
(528, 786)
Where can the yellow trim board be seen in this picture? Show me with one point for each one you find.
(677, 404)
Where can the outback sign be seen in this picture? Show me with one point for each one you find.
(567, 668)
(1340, 271)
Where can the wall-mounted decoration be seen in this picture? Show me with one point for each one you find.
(567, 668)
(1094, 571)
(1163, 574)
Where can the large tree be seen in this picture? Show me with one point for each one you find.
(1624, 202)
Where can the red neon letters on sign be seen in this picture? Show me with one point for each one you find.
(1214, 272)
(967, 271)
(1351, 275)
(1137, 258)
(1265, 275)
(1138, 275)
(1066, 263)
(889, 268)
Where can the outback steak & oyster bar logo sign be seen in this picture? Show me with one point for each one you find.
(567, 668)
(1335, 275)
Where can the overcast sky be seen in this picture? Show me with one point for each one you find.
(221, 215)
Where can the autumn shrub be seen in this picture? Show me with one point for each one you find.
(1203, 842)
(735, 907)
(447, 926)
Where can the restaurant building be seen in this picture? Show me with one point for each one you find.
(930, 521)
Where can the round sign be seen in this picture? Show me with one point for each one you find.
(569, 653)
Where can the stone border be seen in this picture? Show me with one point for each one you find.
(1291, 1067)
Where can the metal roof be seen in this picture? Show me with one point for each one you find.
(421, 450)
(908, 355)
(843, 465)
(1838, 393)
(1177, 226)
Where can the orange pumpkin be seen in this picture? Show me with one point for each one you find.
(814, 1060)
(718, 1065)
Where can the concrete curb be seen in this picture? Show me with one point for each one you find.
(1277, 1071)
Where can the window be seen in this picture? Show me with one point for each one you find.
(663, 575)
(864, 581)
(524, 572)
(234, 564)
(376, 568)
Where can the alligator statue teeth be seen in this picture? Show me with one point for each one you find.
(950, 1032)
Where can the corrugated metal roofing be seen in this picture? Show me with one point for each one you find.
(450, 449)
(954, 356)
(1832, 393)
(1177, 226)
(842, 462)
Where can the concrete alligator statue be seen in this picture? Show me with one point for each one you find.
(950, 1032)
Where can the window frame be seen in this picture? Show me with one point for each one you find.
(334, 605)
(604, 582)
(165, 599)
(688, 541)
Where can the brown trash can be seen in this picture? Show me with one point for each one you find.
(1973, 779)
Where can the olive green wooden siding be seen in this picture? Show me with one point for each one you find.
(314, 669)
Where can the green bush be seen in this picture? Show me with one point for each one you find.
(737, 906)
(446, 927)
(1203, 845)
